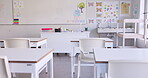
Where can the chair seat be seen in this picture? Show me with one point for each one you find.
(87, 58)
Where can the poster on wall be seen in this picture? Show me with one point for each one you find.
(78, 14)
(91, 12)
(107, 11)
(135, 10)
(125, 8)
(99, 10)
(111, 11)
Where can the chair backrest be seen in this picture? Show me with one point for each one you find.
(128, 69)
(88, 44)
(17, 43)
(4, 67)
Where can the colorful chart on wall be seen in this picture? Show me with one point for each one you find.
(49, 11)
(107, 12)
(125, 8)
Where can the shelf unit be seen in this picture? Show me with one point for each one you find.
(133, 35)
(114, 30)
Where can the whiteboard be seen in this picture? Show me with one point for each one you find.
(6, 16)
(50, 12)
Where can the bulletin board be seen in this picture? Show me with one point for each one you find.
(6, 16)
(49, 11)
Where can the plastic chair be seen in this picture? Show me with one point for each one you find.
(4, 67)
(17, 43)
(86, 47)
(128, 69)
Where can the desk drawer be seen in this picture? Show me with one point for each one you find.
(22, 67)
(108, 44)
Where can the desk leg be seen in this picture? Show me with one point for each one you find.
(72, 66)
(102, 68)
(37, 46)
(51, 68)
(95, 70)
(35, 74)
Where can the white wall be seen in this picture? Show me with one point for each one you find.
(34, 30)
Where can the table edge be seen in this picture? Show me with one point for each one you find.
(32, 61)
(40, 40)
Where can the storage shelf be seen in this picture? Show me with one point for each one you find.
(114, 30)
(130, 35)
(133, 35)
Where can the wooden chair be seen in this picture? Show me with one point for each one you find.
(86, 47)
(4, 67)
(17, 43)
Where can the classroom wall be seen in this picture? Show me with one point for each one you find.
(34, 30)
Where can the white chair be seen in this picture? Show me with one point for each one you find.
(17, 43)
(86, 47)
(128, 69)
(4, 67)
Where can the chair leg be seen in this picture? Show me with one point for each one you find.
(46, 69)
(79, 69)
(13, 75)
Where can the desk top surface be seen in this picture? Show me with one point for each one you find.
(37, 39)
(104, 55)
(106, 40)
(31, 39)
(25, 55)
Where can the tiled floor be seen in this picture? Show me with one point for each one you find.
(62, 69)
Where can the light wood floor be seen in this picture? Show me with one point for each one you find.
(62, 69)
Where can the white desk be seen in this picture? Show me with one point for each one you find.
(104, 55)
(34, 42)
(60, 41)
(28, 60)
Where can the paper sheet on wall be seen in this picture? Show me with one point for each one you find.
(17, 5)
(125, 7)
(91, 12)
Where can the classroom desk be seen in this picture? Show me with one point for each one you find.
(29, 60)
(102, 56)
(34, 42)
